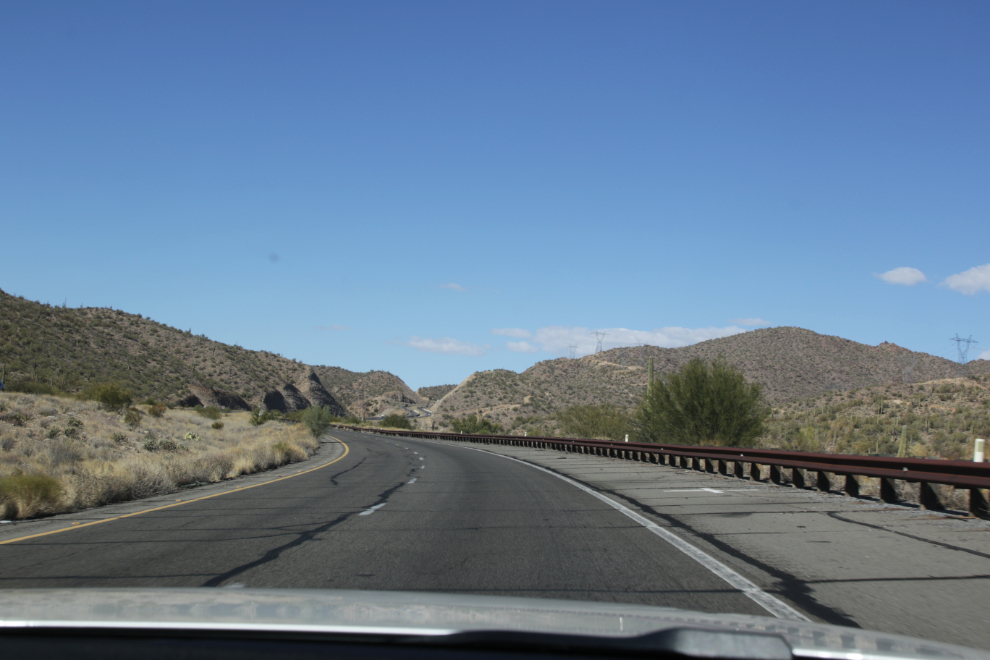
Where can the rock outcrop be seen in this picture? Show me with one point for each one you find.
(318, 396)
(205, 396)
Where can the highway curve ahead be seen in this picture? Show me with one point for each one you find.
(392, 514)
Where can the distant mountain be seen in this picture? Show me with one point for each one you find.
(70, 348)
(791, 363)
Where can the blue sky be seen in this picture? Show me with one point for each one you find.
(439, 188)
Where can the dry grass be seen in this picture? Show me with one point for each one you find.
(64, 455)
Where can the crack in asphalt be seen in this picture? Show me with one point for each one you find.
(301, 537)
(942, 544)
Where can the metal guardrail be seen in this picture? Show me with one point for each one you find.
(732, 461)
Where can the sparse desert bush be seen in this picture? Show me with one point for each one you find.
(396, 421)
(605, 422)
(15, 418)
(317, 419)
(259, 417)
(210, 412)
(23, 495)
(216, 425)
(112, 397)
(132, 418)
(474, 425)
(157, 410)
(103, 465)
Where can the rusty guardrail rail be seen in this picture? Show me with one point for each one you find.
(731, 461)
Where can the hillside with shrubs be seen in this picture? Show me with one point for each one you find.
(790, 363)
(45, 349)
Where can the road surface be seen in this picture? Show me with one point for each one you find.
(391, 514)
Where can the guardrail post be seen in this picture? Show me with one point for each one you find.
(852, 486)
(775, 474)
(722, 466)
(824, 483)
(737, 469)
(656, 458)
(978, 505)
(928, 498)
(696, 464)
(754, 472)
(797, 477)
(888, 492)
(709, 466)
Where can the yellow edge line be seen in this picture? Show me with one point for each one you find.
(169, 506)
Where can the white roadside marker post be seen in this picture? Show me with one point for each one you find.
(978, 450)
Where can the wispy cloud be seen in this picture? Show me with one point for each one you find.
(750, 322)
(971, 281)
(446, 345)
(333, 328)
(512, 332)
(521, 347)
(904, 276)
(558, 339)
(985, 355)
(453, 287)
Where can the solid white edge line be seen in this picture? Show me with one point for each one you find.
(771, 604)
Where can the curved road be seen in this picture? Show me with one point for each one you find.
(391, 514)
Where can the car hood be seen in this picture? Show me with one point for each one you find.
(422, 614)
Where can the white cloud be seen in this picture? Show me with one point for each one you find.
(558, 339)
(985, 355)
(750, 322)
(445, 345)
(512, 332)
(903, 275)
(333, 328)
(971, 281)
(451, 285)
(521, 347)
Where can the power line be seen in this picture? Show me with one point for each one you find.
(600, 335)
(573, 348)
(963, 346)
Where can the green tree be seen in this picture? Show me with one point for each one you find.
(605, 422)
(703, 404)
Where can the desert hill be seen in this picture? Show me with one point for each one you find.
(791, 363)
(69, 348)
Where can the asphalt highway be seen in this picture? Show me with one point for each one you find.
(391, 514)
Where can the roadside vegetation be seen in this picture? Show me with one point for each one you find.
(60, 454)
(395, 421)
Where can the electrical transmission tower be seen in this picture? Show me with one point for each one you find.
(573, 348)
(600, 335)
(907, 362)
(963, 345)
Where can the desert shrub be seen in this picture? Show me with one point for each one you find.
(317, 419)
(154, 443)
(53, 433)
(605, 421)
(74, 423)
(118, 437)
(705, 403)
(287, 452)
(157, 410)
(190, 437)
(112, 397)
(216, 425)
(132, 418)
(210, 412)
(15, 418)
(396, 421)
(475, 425)
(28, 492)
(31, 387)
(61, 452)
(258, 417)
